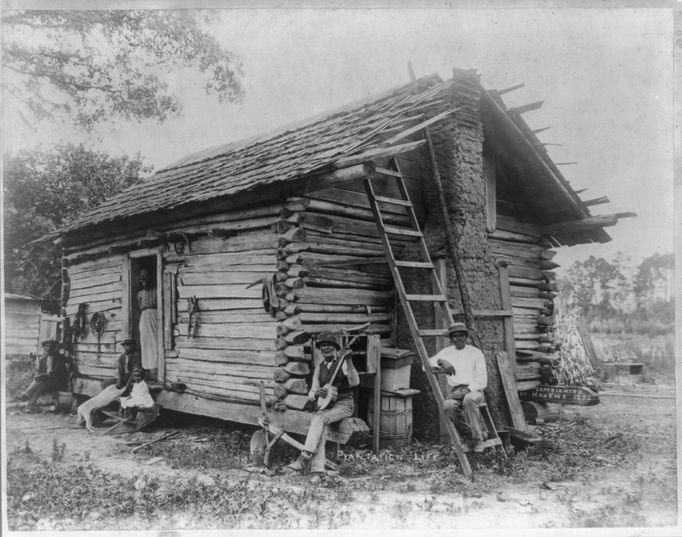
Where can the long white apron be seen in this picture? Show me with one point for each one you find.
(148, 326)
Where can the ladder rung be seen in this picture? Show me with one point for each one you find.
(394, 201)
(414, 264)
(426, 298)
(401, 231)
(386, 171)
(433, 332)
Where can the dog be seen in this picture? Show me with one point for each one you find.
(107, 396)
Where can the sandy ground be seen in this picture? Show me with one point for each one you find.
(635, 489)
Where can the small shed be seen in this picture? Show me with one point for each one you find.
(22, 320)
(285, 219)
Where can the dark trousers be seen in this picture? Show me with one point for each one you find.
(40, 387)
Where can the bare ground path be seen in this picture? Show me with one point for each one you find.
(613, 465)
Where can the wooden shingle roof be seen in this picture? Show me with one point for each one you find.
(318, 143)
(280, 156)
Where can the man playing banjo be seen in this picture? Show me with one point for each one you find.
(326, 386)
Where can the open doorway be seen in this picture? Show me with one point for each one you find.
(144, 313)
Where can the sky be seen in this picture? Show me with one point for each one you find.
(605, 76)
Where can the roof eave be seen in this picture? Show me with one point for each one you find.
(513, 121)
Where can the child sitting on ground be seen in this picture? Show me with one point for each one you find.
(139, 398)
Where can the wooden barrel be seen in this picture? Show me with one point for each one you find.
(395, 420)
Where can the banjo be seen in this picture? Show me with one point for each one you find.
(327, 400)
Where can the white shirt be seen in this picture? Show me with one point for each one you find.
(469, 364)
(139, 396)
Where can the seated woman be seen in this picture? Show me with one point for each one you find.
(139, 398)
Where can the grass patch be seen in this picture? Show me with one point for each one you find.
(219, 449)
(41, 495)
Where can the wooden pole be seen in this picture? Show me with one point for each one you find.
(67, 340)
(377, 409)
(511, 391)
(508, 321)
(510, 88)
(452, 241)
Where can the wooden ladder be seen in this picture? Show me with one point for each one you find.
(438, 300)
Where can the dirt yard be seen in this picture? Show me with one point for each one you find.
(609, 465)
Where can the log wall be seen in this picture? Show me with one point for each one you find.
(532, 289)
(332, 276)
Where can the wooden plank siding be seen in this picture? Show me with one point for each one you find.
(22, 326)
(233, 348)
(98, 284)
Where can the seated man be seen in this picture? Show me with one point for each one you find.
(52, 374)
(467, 377)
(342, 405)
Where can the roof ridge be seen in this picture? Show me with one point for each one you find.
(236, 145)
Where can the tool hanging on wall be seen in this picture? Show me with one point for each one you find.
(193, 322)
(97, 324)
(80, 322)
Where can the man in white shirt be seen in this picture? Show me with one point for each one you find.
(467, 378)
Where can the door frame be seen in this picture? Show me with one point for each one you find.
(128, 301)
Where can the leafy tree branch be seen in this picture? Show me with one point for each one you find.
(88, 66)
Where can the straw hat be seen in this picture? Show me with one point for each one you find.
(457, 327)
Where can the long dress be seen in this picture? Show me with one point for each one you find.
(148, 328)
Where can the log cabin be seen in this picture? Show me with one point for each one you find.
(260, 244)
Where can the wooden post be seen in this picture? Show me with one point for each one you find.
(508, 322)
(67, 340)
(161, 308)
(377, 411)
(490, 175)
(168, 285)
(374, 366)
(126, 294)
(511, 392)
(440, 319)
(443, 383)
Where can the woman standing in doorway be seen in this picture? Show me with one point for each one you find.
(146, 301)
